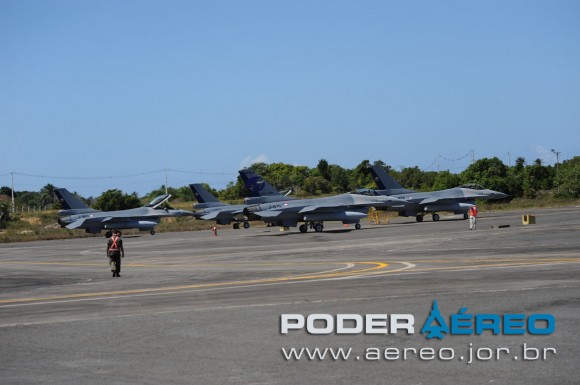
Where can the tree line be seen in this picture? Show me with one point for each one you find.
(520, 180)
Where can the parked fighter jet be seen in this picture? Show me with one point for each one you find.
(347, 208)
(76, 215)
(457, 199)
(210, 208)
(261, 190)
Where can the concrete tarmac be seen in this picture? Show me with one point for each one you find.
(194, 308)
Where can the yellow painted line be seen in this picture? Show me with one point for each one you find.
(475, 259)
(305, 277)
(448, 268)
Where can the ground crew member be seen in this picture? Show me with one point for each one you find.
(472, 217)
(115, 252)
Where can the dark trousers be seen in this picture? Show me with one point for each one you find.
(115, 263)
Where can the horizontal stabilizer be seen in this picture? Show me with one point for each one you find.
(76, 224)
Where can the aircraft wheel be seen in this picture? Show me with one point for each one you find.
(436, 217)
(236, 225)
(318, 227)
(246, 225)
(465, 216)
(303, 228)
(152, 232)
(419, 218)
(108, 234)
(357, 226)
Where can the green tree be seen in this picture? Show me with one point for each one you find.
(234, 191)
(339, 179)
(4, 212)
(489, 172)
(316, 185)
(47, 196)
(445, 180)
(569, 178)
(112, 200)
(323, 169)
(361, 175)
(536, 178)
(411, 178)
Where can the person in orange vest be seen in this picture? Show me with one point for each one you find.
(115, 252)
(472, 217)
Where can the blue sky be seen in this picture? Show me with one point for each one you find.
(101, 89)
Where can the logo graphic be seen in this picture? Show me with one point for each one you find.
(256, 184)
(440, 327)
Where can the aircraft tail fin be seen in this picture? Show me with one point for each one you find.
(202, 195)
(256, 184)
(385, 181)
(68, 200)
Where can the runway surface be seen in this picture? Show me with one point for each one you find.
(193, 308)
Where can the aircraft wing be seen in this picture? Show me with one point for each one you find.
(76, 224)
(79, 223)
(441, 200)
(212, 215)
(268, 213)
(429, 200)
(222, 214)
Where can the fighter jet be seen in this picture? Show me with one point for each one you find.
(76, 215)
(261, 190)
(210, 208)
(457, 199)
(347, 208)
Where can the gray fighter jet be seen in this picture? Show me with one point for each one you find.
(457, 199)
(260, 189)
(347, 208)
(210, 208)
(76, 215)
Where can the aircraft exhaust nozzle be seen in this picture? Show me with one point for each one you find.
(251, 209)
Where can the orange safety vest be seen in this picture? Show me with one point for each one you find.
(114, 246)
(473, 211)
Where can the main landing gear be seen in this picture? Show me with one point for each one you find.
(435, 217)
(246, 225)
(318, 226)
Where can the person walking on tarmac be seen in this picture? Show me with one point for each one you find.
(115, 252)
(472, 217)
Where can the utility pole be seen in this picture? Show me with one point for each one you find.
(557, 153)
(12, 188)
(165, 181)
